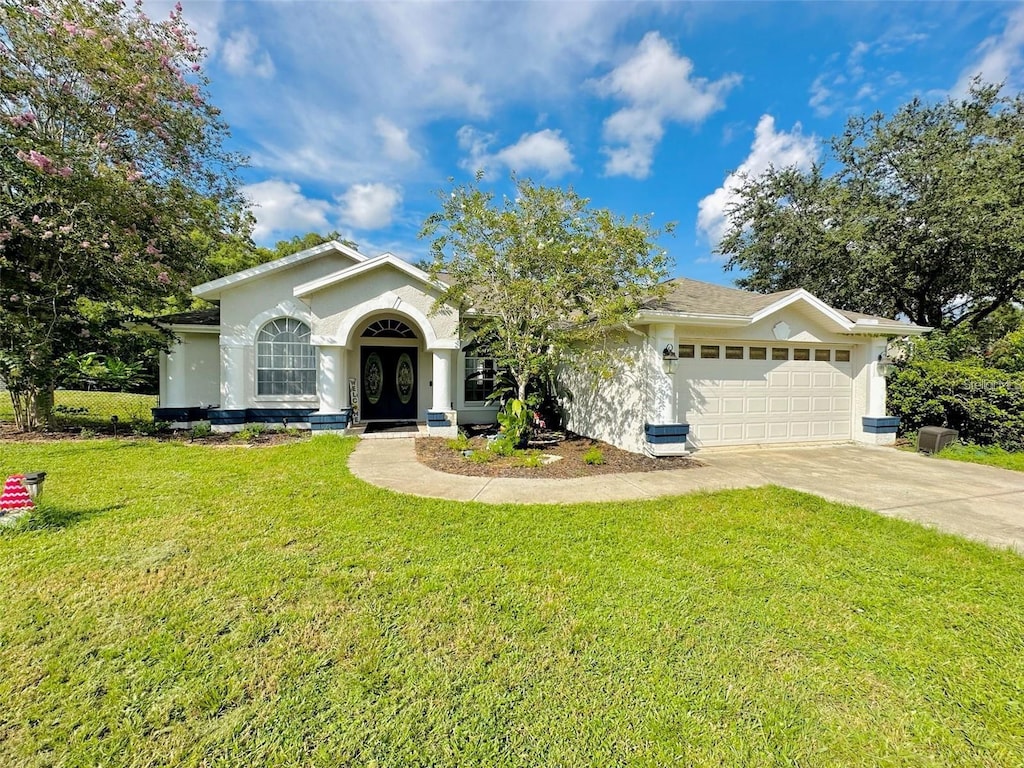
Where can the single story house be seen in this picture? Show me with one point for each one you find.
(328, 338)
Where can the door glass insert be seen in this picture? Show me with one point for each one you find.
(373, 378)
(404, 378)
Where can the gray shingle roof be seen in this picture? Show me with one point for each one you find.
(195, 317)
(686, 295)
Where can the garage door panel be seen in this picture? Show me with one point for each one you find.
(757, 405)
(732, 406)
(736, 402)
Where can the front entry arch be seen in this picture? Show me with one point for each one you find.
(388, 380)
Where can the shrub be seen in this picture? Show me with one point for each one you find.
(486, 456)
(202, 429)
(503, 446)
(985, 405)
(514, 419)
(593, 456)
(250, 432)
(460, 443)
(532, 460)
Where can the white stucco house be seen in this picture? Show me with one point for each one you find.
(328, 337)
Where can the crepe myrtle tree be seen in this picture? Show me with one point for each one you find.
(114, 181)
(541, 276)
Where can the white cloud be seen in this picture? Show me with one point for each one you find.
(546, 151)
(280, 206)
(369, 206)
(771, 148)
(414, 64)
(242, 55)
(395, 141)
(657, 86)
(999, 57)
(821, 96)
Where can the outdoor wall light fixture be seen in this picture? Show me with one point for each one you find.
(885, 365)
(669, 359)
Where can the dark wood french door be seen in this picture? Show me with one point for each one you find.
(388, 382)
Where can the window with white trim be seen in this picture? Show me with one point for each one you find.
(285, 360)
(479, 378)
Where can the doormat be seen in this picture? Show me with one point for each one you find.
(390, 426)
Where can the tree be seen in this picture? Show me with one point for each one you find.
(115, 186)
(923, 215)
(541, 277)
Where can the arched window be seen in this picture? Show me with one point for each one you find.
(389, 329)
(285, 360)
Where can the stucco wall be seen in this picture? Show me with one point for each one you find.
(240, 304)
(613, 405)
(190, 373)
(332, 306)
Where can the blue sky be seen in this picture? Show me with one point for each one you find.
(355, 114)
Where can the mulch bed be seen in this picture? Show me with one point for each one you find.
(9, 432)
(435, 453)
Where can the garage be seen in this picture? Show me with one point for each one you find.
(742, 394)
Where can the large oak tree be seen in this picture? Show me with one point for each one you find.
(919, 214)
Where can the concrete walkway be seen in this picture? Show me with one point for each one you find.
(975, 501)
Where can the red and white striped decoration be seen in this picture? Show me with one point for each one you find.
(15, 497)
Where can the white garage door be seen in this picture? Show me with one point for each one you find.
(781, 393)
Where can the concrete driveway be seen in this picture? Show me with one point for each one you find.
(978, 502)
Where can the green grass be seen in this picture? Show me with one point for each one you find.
(98, 407)
(991, 455)
(189, 605)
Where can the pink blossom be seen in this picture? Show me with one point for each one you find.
(64, 171)
(65, 229)
(133, 175)
(20, 121)
(36, 219)
(177, 7)
(47, 234)
(85, 244)
(70, 28)
(152, 250)
(164, 278)
(35, 277)
(4, 236)
(14, 298)
(37, 159)
(196, 67)
(36, 13)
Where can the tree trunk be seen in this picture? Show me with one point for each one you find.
(33, 407)
(521, 382)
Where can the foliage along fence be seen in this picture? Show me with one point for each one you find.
(986, 405)
(93, 409)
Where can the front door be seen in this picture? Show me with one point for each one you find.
(388, 383)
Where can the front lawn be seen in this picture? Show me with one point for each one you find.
(992, 455)
(195, 605)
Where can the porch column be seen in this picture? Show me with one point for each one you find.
(442, 400)
(175, 368)
(232, 377)
(331, 379)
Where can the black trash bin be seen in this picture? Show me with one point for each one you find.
(934, 439)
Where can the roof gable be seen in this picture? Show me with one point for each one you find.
(213, 288)
(369, 265)
(699, 303)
